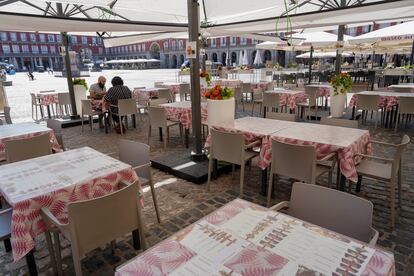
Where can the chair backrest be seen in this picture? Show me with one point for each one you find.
(406, 105)
(257, 93)
(271, 101)
(7, 116)
(86, 107)
(185, 88)
(227, 146)
(64, 98)
(295, 161)
(339, 122)
(127, 107)
(281, 116)
(165, 93)
(157, 102)
(22, 149)
(111, 216)
(270, 86)
(246, 87)
(34, 98)
(331, 209)
(55, 125)
(3, 102)
(368, 102)
(398, 154)
(238, 95)
(135, 154)
(47, 91)
(313, 94)
(157, 116)
(158, 83)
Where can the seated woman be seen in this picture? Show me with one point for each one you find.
(116, 92)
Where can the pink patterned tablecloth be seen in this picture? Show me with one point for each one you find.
(261, 84)
(290, 98)
(327, 139)
(53, 181)
(25, 131)
(145, 93)
(387, 99)
(229, 83)
(48, 98)
(173, 86)
(324, 90)
(242, 238)
(181, 112)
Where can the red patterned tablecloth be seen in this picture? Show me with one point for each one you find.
(48, 98)
(173, 86)
(290, 98)
(242, 238)
(53, 181)
(181, 112)
(25, 131)
(387, 99)
(260, 84)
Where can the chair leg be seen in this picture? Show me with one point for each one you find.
(51, 252)
(252, 108)
(399, 187)
(90, 122)
(210, 166)
(7, 245)
(154, 199)
(330, 178)
(149, 134)
(392, 203)
(82, 121)
(242, 177)
(58, 254)
(233, 167)
(165, 139)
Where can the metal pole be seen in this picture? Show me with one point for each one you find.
(65, 40)
(341, 30)
(310, 64)
(412, 54)
(373, 60)
(193, 30)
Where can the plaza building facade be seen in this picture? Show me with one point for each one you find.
(29, 50)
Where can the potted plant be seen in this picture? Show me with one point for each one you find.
(220, 106)
(342, 84)
(79, 88)
(205, 79)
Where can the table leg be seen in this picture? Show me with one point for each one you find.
(353, 113)
(134, 122)
(215, 168)
(48, 111)
(160, 130)
(186, 137)
(263, 190)
(135, 239)
(31, 263)
(358, 186)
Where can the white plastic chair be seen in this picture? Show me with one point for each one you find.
(64, 104)
(281, 116)
(22, 149)
(126, 107)
(185, 91)
(337, 211)
(339, 122)
(405, 108)
(88, 111)
(368, 103)
(158, 119)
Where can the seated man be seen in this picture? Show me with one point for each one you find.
(98, 90)
(116, 92)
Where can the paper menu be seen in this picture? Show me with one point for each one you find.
(200, 265)
(304, 246)
(211, 242)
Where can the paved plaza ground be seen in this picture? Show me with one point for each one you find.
(182, 203)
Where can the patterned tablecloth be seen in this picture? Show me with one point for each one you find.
(324, 89)
(261, 84)
(145, 93)
(49, 97)
(388, 99)
(181, 112)
(24, 131)
(173, 86)
(290, 98)
(346, 142)
(242, 238)
(52, 181)
(226, 82)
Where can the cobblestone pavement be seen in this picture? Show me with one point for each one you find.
(182, 203)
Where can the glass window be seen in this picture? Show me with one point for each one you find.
(243, 41)
(16, 49)
(165, 45)
(352, 31)
(135, 48)
(174, 45)
(6, 49)
(180, 44)
(100, 50)
(223, 41)
(52, 49)
(3, 36)
(93, 40)
(233, 41)
(365, 29)
(32, 37)
(25, 48)
(59, 38)
(74, 39)
(42, 38)
(139, 48)
(13, 36)
(99, 40)
(23, 37)
(51, 38)
(84, 40)
(44, 49)
(35, 49)
(130, 48)
(213, 42)
(143, 47)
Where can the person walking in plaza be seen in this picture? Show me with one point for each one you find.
(116, 92)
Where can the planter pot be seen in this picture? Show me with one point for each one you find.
(220, 112)
(80, 94)
(337, 104)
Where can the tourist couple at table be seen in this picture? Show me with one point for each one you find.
(110, 98)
